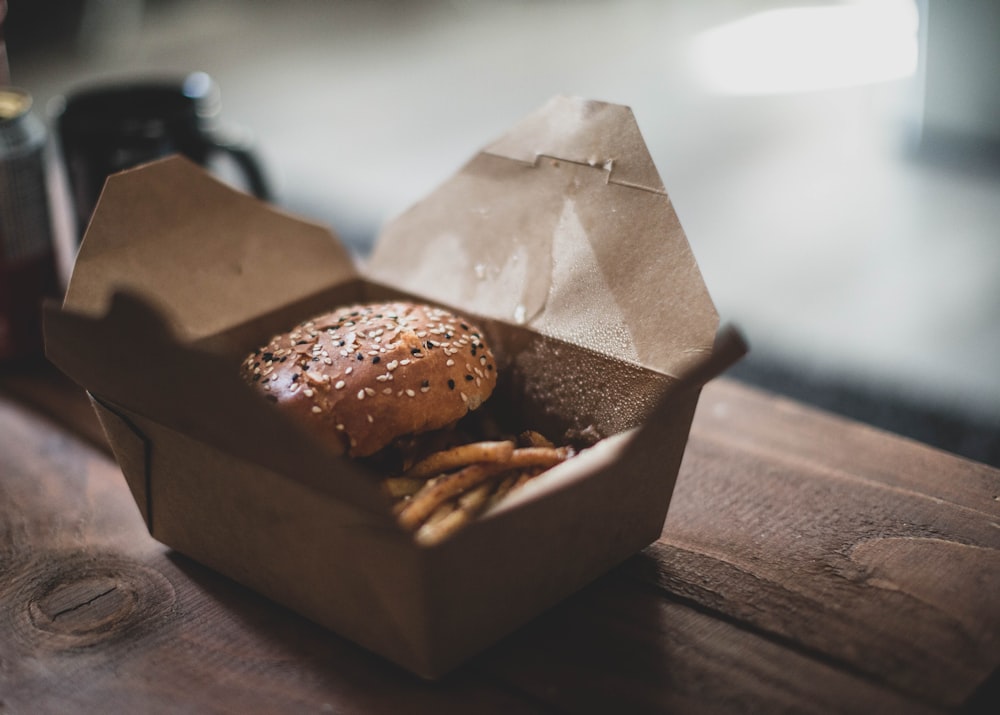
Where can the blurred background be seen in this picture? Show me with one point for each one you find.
(836, 165)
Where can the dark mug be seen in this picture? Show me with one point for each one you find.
(108, 128)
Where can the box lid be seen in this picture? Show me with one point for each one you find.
(207, 256)
(562, 225)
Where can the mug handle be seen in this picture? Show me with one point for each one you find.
(246, 161)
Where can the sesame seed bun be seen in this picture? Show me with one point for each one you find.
(362, 375)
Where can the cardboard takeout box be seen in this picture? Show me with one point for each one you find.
(559, 238)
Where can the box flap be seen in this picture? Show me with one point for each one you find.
(129, 358)
(208, 256)
(596, 134)
(561, 225)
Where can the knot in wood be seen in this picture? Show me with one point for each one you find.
(91, 603)
(79, 600)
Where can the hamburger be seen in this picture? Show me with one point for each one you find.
(361, 376)
(390, 382)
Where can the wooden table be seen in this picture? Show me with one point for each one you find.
(808, 564)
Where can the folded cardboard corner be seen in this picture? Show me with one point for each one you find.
(559, 237)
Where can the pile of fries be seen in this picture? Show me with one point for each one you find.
(441, 492)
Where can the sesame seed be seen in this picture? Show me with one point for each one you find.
(404, 362)
(370, 419)
(424, 389)
(464, 398)
(449, 362)
(392, 365)
(348, 371)
(361, 394)
(308, 392)
(340, 385)
(451, 384)
(410, 393)
(387, 391)
(369, 391)
(316, 409)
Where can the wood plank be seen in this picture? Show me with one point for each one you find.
(616, 648)
(757, 420)
(98, 617)
(101, 614)
(863, 568)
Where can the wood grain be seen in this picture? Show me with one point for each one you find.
(859, 560)
(796, 573)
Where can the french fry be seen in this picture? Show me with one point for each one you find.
(397, 487)
(503, 488)
(430, 534)
(538, 457)
(461, 456)
(474, 499)
(444, 490)
(438, 491)
(435, 529)
(441, 513)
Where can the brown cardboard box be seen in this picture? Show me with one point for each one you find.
(559, 238)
